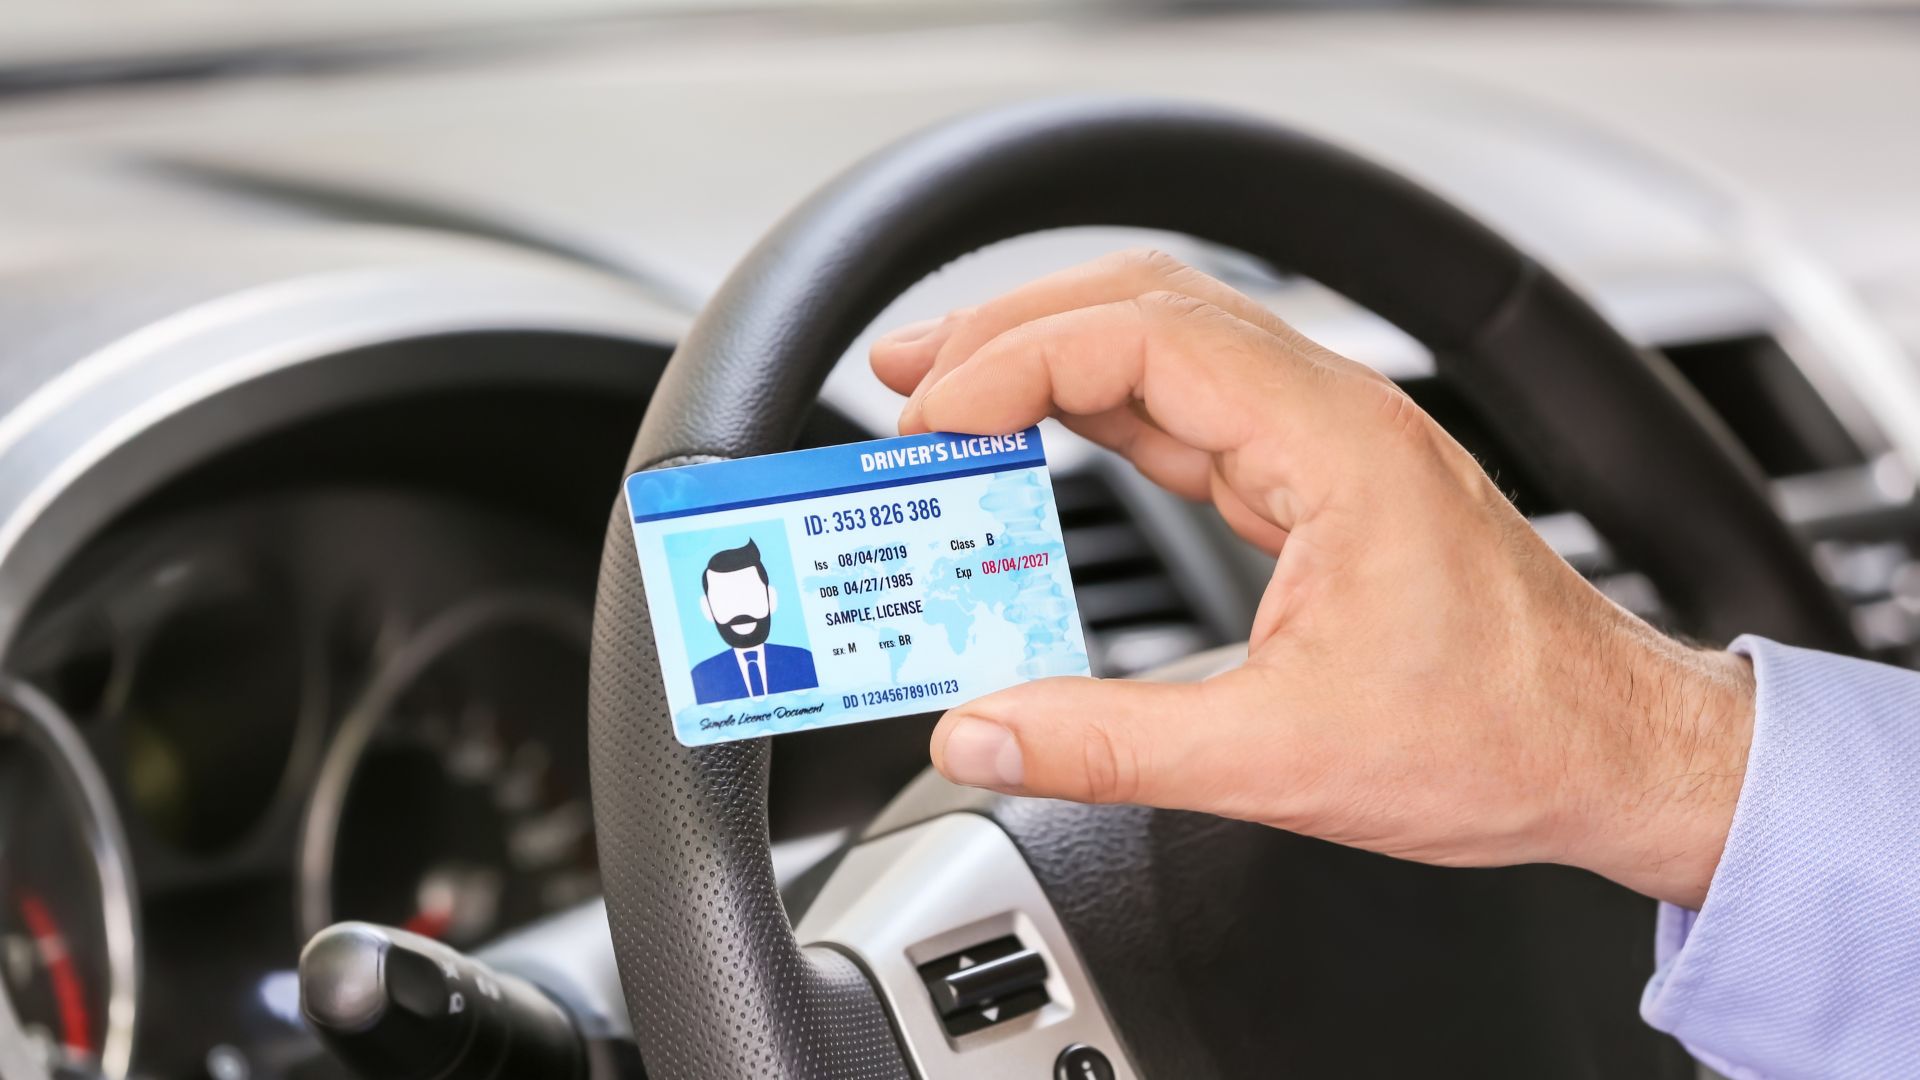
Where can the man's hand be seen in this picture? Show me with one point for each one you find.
(1426, 677)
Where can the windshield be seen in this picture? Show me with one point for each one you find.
(62, 43)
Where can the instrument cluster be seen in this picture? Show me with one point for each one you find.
(241, 721)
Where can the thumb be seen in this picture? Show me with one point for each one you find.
(1089, 740)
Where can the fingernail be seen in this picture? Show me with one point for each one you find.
(910, 333)
(981, 753)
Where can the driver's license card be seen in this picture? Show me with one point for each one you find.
(856, 582)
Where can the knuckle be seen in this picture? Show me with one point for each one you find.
(1173, 326)
(1168, 305)
(1151, 262)
(1148, 269)
(1399, 414)
(959, 317)
(1112, 767)
(1049, 350)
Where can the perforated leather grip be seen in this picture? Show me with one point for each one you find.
(716, 985)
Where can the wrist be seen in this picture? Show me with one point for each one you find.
(1675, 725)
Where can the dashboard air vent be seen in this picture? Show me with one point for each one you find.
(1769, 404)
(1134, 612)
(1862, 520)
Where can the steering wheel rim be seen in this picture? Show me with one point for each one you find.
(716, 984)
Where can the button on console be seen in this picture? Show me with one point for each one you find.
(987, 981)
(1081, 1062)
(988, 984)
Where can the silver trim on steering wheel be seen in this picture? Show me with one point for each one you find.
(937, 888)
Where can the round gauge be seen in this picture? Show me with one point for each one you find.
(218, 701)
(454, 800)
(68, 967)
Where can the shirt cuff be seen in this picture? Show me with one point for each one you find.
(1664, 1003)
(1804, 960)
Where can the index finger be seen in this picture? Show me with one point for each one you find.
(912, 363)
(1208, 379)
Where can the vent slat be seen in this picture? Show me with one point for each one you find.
(1100, 549)
(1108, 603)
(1084, 500)
(1136, 616)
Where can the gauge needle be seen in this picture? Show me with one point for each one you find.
(76, 1027)
(434, 914)
(432, 924)
(456, 901)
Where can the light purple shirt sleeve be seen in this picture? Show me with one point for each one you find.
(1805, 959)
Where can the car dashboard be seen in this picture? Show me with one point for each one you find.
(318, 382)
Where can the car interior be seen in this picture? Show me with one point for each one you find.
(331, 727)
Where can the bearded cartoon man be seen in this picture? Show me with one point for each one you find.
(736, 596)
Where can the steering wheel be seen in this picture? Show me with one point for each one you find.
(1198, 947)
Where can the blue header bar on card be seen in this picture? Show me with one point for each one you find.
(825, 471)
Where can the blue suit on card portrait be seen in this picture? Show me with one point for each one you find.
(724, 676)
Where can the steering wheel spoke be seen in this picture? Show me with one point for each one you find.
(921, 908)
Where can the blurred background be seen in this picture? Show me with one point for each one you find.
(324, 328)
